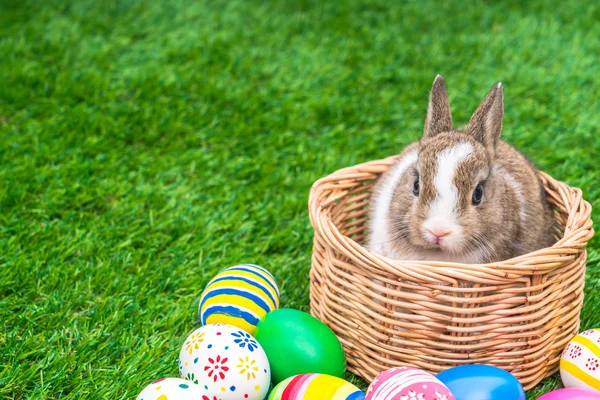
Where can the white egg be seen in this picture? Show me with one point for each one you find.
(173, 389)
(226, 362)
(580, 361)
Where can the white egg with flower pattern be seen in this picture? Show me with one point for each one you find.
(173, 389)
(580, 361)
(226, 362)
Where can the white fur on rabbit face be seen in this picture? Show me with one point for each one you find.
(441, 225)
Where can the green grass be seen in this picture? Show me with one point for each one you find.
(146, 146)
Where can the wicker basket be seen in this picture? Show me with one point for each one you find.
(517, 314)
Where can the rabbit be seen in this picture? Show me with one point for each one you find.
(460, 195)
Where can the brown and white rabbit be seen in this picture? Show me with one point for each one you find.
(460, 195)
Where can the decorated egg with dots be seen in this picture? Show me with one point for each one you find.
(580, 361)
(226, 362)
(240, 296)
(315, 386)
(173, 389)
(407, 383)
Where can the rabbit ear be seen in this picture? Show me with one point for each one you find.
(439, 116)
(486, 123)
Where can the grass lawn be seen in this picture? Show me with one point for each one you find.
(147, 145)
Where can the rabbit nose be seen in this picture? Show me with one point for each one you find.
(438, 232)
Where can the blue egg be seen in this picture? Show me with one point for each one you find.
(481, 382)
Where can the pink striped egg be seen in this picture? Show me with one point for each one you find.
(407, 383)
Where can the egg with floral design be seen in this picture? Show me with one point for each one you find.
(407, 383)
(226, 362)
(580, 361)
(173, 389)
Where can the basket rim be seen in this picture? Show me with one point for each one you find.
(578, 230)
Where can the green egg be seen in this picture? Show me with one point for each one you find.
(297, 343)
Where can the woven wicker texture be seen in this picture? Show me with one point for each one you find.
(517, 314)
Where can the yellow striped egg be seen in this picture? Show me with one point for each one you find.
(315, 386)
(240, 296)
(580, 361)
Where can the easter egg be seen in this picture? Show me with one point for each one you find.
(571, 394)
(481, 382)
(403, 383)
(580, 361)
(226, 362)
(239, 296)
(315, 386)
(297, 343)
(173, 389)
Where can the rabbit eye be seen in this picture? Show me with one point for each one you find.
(477, 195)
(416, 186)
